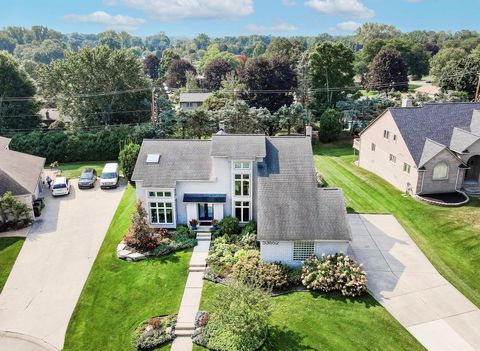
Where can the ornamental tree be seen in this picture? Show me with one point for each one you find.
(388, 72)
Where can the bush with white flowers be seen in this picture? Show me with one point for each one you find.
(334, 272)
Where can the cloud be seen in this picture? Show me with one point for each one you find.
(118, 22)
(351, 8)
(277, 27)
(289, 2)
(174, 10)
(348, 26)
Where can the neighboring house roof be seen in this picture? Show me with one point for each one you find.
(431, 121)
(179, 160)
(289, 203)
(238, 146)
(4, 142)
(19, 172)
(193, 97)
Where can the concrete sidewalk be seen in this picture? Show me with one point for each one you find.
(191, 295)
(48, 276)
(404, 281)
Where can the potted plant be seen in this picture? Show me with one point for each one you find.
(193, 224)
(214, 225)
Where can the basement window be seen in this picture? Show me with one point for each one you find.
(303, 250)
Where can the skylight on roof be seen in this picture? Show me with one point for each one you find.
(153, 158)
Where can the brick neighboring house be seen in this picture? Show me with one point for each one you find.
(21, 174)
(270, 180)
(431, 149)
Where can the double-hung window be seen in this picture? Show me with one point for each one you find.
(242, 190)
(242, 210)
(393, 158)
(242, 184)
(406, 168)
(161, 212)
(386, 134)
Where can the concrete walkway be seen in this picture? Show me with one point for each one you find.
(192, 294)
(404, 281)
(52, 267)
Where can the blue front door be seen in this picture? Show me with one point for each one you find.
(205, 213)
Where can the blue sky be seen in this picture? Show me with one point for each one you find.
(239, 17)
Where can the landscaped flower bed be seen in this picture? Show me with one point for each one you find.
(154, 332)
(142, 241)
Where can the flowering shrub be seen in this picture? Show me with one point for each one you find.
(222, 255)
(334, 272)
(178, 241)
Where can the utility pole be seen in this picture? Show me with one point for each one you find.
(154, 116)
(478, 88)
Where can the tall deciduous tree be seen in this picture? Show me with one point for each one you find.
(98, 86)
(18, 110)
(168, 56)
(268, 82)
(216, 72)
(177, 73)
(151, 64)
(290, 48)
(388, 72)
(370, 31)
(332, 72)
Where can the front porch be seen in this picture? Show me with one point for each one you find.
(471, 183)
(204, 208)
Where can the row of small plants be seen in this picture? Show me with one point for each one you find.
(142, 238)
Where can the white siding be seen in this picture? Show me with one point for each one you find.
(282, 251)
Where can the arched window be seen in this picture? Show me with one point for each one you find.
(440, 171)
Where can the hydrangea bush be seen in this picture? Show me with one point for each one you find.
(334, 272)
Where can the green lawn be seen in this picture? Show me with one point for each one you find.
(74, 169)
(413, 87)
(310, 321)
(118, 295)
(449, 237)
(9, 249)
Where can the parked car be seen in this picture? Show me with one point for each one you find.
(110, 176)
(61, 186)
(87, 178)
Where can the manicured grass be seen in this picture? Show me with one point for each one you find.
(311, 321)
(74, 169)
(413, 87)
(449, 237)
(118, 295)
(369, 92)
(9, 249)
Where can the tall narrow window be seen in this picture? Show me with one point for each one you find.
(393, 158)
(242, 184)
(161, 212)
(406, 168)
(374, 147)
(242, 210)
(386, 134)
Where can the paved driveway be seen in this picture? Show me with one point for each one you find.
(53, 265)
(404, 281)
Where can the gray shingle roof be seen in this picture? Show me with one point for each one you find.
(289, 204)
(462, 140)
(19, 172)
(193, 97)
(432, 121)
(238, 146)
(475, 124)
(179, 160)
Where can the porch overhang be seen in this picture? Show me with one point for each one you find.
(205, 198)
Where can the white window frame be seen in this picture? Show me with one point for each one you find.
(161, 206)
(303, 250)
(242, 167)
(386, 134)
(161, 196)
(445, 171)
(406, 167)
(242, 180)
(392, 158)
(242, 207)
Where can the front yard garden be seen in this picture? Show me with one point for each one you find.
(119, 295)
(449, 237)
(9, 249)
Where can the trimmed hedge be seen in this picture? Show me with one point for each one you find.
(74, 146)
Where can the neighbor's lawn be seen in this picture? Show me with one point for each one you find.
(413, 87)
(449, 237)
(311, 321)
(118, 295)
(9, 249)
(74, 169)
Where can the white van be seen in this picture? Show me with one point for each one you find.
(110, 176)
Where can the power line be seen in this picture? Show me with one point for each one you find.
(85, 114)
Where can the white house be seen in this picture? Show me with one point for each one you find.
(270, 180)
(190, 101)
